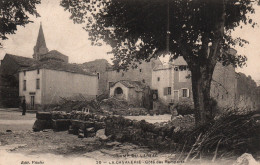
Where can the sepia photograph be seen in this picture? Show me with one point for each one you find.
(129, 82)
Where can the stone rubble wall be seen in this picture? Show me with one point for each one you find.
(163, 136)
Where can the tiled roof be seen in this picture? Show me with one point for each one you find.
(139, 86)
(23, 61)
(96, 65)
(54, 54)
(179, 61)
(162, 67)
(60, 66)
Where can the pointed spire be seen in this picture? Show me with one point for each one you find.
(40, 40)
(40, 47)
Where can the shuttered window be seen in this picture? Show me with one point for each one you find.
(185, 92)
(167, 91)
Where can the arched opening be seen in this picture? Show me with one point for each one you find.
(118, 91)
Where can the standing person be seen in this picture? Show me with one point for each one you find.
(24, 107)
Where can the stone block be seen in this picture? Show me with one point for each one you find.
(40, 125)
(43, 115)
(90, 130)
(61, 124)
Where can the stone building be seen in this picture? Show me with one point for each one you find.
(46, 83)
(42, 53)
(108, 75)
(99, 67)
(11, 64)
(131, 91)
(173, 84)
(142, 73)
(54, 55)
(9, 78)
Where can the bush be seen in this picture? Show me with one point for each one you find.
(185, 107)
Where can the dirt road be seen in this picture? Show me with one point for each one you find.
(20, 145)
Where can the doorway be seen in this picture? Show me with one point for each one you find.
(176, 95)
(32, 102)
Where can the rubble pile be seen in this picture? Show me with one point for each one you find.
(113, 102)
(100, 105)
(115, 106)
(70, 105)
(130, 112)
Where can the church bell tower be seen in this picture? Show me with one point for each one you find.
(40, 48)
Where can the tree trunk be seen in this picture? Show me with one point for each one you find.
(201, 82)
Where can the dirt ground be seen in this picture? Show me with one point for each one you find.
(20, 145)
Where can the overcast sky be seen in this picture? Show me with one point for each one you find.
(70, 39)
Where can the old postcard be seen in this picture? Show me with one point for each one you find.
(129, 82)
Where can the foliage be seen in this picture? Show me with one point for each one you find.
(137, 29)
(185, 107)
(230, 134)
(198, 30)
(15, 13)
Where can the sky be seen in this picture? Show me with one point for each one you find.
(70, 39)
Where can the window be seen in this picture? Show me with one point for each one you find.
(24, 85)
(98, 75)
(123, 74)
(38, 71)
(143, 80)
(37, 83)
(185, 92)
(24, 73)
(140, 70)
(167, 91)
(158, 78)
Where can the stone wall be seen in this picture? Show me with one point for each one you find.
(157, 136)
(247, 92)
(99, 66)
(223, 86)
(142, 73)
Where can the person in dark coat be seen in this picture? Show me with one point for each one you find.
(24, 107)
